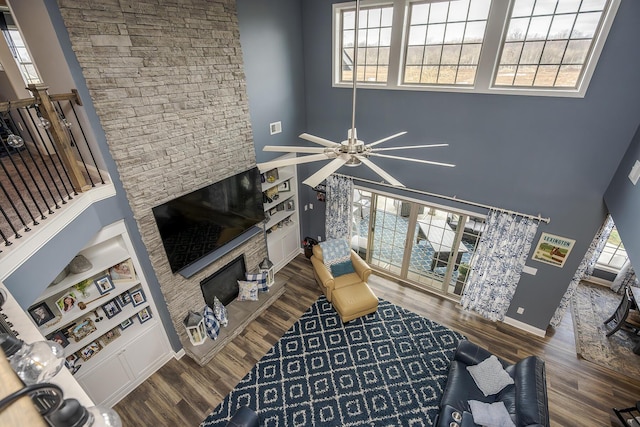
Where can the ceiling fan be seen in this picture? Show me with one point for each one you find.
(350, 152)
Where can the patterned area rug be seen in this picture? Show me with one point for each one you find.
(590, 307)
(386, 369)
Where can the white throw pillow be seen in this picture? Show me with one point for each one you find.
(490, 414)
(490, 376)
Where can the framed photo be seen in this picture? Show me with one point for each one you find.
(89, 351)
(124, 325)
(138, 297)
(60, 338)
(272, 175)
(291, 205)
(110, 336)
(122, 272)
(284, 187)
(144, 315)
(82, 329)
(111, 308)
(41, 313)
(71, 362)
(553, 249)
(104, 284)
(66, 303)
(124, 299)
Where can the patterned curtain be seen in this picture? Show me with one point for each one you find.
(586, 265)
(499, 260)
(339, 210)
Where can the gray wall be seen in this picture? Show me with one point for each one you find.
(270, 35)
(554, 156)
(623, 200)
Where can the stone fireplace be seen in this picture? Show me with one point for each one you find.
(166, 79)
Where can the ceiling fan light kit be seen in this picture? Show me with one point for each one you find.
(350, 152)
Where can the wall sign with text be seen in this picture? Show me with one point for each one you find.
(553, 249)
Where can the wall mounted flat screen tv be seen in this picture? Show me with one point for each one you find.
(198, 223)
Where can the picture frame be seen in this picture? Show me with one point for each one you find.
(82, 329)
(552, 249)
(110, 336)
(91, 350)
(126, 323)
(104, 284)
(138, 297)
(123, 272)
(291, 205)
(284, 187)
(144, 315)
(41, 313)
(60, 338)
(66, 303)
(272, 175)
(71, 362)
(124, 298)
(111, 308)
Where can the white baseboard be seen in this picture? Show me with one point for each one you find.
(525, 327)
(178, 354)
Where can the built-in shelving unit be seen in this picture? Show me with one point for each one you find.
(105, 321)
(281, 207)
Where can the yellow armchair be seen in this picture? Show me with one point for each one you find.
(328, 284)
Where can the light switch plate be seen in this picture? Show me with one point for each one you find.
(635, 172)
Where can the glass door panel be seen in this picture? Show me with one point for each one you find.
(388, 234)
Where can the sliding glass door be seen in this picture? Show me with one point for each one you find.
(425, 245)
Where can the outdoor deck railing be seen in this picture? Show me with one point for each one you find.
(45, 160)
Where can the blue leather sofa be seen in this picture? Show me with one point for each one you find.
(525, 400)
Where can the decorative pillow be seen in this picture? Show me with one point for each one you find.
(490, 414)
(342, 268)
(248, 291)
(211, 323)
(260, 279)
(220, 311)
(490, 376)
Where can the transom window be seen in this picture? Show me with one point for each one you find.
(530, 47)
(548, 42)
(444, 41)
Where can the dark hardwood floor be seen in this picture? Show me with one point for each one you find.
(182, 393)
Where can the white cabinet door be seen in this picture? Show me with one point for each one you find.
(107, 380)
(144, 353)
(290, 245)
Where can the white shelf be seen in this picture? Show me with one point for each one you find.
(281, 232)
(283, 198)
(283, 175)
(76, 312)
(104, 326)
(102, 256)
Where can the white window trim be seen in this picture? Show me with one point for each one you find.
(489, 56)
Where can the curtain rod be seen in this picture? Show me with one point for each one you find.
(454, 198)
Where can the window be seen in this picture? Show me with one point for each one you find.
(529, 47)
(548, 42)
(374, 41)
(613, 254)
(18, 49)
(444, 42)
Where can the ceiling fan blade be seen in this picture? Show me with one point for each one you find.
(380, 141)
(319, 140)
(292, 149)
(377, 169)
(429, 162)
(266, 166)
(409, 146)
(326, 170)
